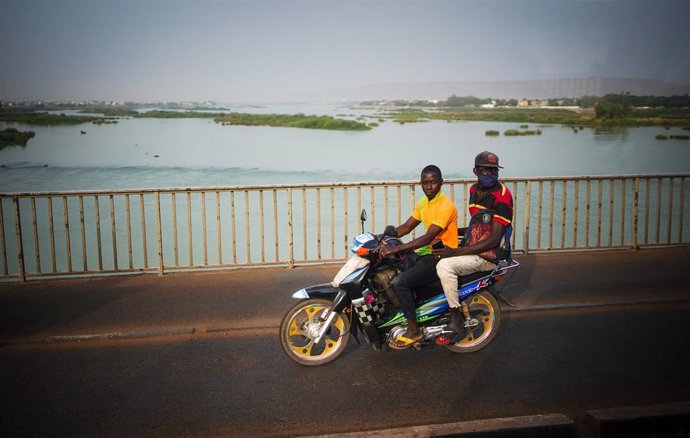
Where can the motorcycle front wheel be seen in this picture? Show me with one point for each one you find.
(485, 318)
(300, 327)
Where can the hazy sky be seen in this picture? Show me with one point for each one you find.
(232, 51)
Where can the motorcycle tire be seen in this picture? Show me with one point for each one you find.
(486, 310)
(300, 326)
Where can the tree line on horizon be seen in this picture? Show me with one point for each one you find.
(625, 100)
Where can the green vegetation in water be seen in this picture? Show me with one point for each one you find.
(609, 113)
(43, 118)
(534, 116)
(635, 117)
(524, 126)
(112, 112)
(492, 133)
(672, 137)
(604, 114)
(161, 114)
(153, 114)
(13, 137)
(291, 121)
(411, 116)
(515, 132)
(276, 120)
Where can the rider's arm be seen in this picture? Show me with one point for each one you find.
(492, 241)
(409, 225)
(415, 243)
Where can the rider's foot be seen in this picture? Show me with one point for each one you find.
(451, 330)
(406, 340)
(455, 324)
(413, 334)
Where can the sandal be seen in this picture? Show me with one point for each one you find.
(401, 342)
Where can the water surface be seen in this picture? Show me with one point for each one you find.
(145, 153)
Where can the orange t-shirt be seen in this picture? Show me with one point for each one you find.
(439, 211)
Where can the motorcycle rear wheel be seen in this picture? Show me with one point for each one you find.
(300, 326)
(485, 309)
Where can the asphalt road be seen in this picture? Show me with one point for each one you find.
(594, 331)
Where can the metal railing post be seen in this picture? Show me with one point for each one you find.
(291, 237)
(159, 233)
(20, 244)
(525, 234)
(635, 212)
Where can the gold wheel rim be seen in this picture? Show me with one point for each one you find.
(301, 332)
(487, 319)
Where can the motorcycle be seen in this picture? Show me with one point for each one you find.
(361, 300)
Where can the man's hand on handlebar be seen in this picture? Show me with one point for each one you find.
(385, 250)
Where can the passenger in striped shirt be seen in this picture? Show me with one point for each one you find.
(491, 211)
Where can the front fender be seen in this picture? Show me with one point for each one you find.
(326, 291)
(337, 296)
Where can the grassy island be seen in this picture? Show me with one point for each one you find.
(110, 115)
(672, 137)
(515, 132)
(112, 112)
(277, 120)
(153, 114)
(291, 121)
(44, 118)
(535, 116)
(13, 137)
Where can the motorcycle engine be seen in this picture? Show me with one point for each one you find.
(382, 284)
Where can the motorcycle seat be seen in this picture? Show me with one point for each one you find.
(474, 276)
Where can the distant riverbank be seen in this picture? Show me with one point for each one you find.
(579, 117)
(636, 117)
(111, 115)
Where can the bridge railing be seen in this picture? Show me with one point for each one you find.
(49, 234)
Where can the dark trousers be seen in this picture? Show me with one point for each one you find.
(423, 272)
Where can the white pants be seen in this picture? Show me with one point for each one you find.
(450, 268)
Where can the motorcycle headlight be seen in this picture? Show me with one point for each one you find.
(300, 295)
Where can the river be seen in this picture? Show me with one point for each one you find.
(149, 153)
